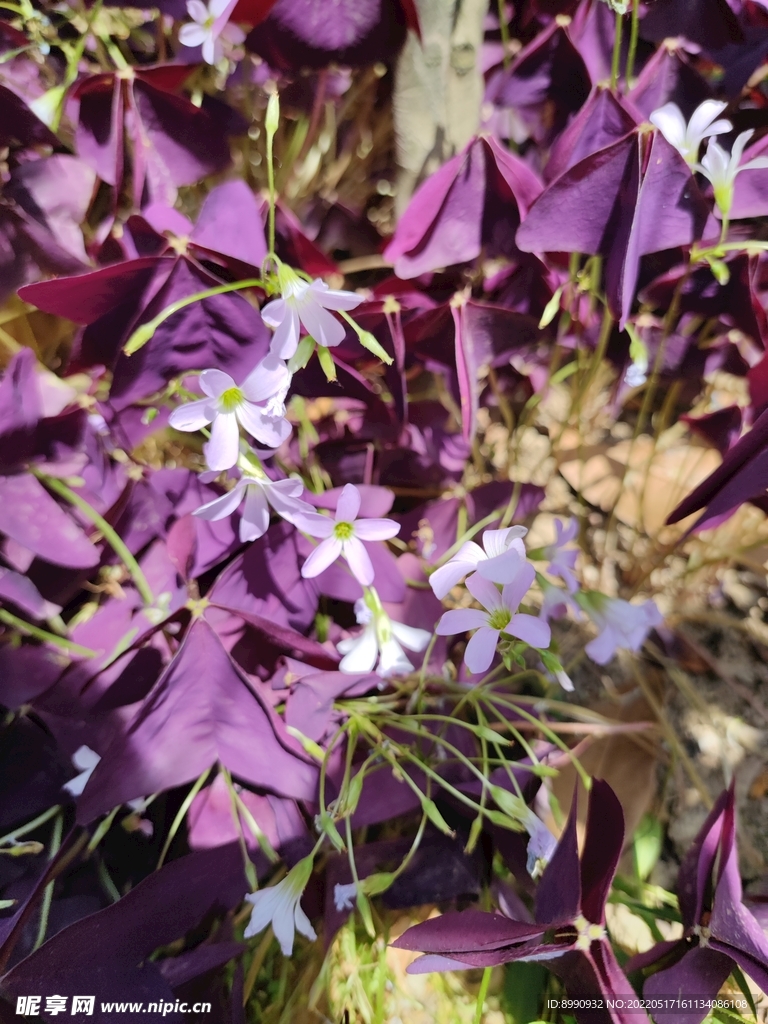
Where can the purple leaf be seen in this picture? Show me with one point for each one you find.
(603, 844)
(30, 516)
(161, 909)
(635, 197)
(558, 897)
(201, 711)
(475, 200)
(466, 931)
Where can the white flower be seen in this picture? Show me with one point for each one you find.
(344, 896)
(259, 493)
(493, 563)
(343, 536)
(258, 404)
(621, 624)
(85, 760)
(687, 138)
(382, 638)
(279, 906)
(541, 844)
(305, 304)
(209, 26)
(721, 169)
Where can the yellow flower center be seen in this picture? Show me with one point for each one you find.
(230, 399)
(343, 531)
(587, 932)
(499, 619)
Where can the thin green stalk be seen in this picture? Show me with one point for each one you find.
(109, 534)
(616, 51)
(250, 871)
(42, 634)
(144, 333)
(504, 29)
(634, 28)
(180, 815)
(11, 837)
(481, 995)
(104, 826)
(58, 826)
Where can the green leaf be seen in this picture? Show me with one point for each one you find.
(523, 990)
(741, 981)
(646, 845)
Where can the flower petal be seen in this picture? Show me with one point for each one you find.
(255, 520)
(192, 35)
(265, 903)
(331, 298)
(445, 578)
(460, 620)
(325, 554)
(348, 504)
(703, 116)
(496, 542)
(515, 590)
(197, 10)
(376, 529)
(265, 380)
(193, 415)
(603, 647)
(531, 630)
(670, 122)
(360, 652)
(322, 325)
(303, 926)
(484, 591)
(210, 48)
(223, 506)
(481, 649)
(285, 340)
(411, 637)
(222, 450)
(314, 524)
(359, 561)
(215, 382)
(393, 660)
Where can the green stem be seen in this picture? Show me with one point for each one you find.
(45, 910)
(634, 28)
(45, 636)
(271, 186)
(616, 52)
(481, 995)
(504, 28)
(180, 815)
(41, 819)
(144, 333)
(109, 534)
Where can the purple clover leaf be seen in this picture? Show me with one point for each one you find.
(720, 932)
(569, 929)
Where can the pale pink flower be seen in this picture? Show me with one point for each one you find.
(258, 405)
(307, 305)
(343, 536)
(500, 616)
(621, 624)
(258, 492)
(382, 640)
(492, 563)
(209, 27)
(562, 560)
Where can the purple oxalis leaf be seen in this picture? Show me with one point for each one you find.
(475, 201)
(632, 198)
(202, 694)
